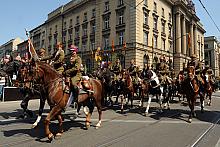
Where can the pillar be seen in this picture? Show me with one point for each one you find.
(178, 33)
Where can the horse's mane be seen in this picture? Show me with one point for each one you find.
(48, 68)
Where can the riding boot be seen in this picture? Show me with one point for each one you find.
(75, 93)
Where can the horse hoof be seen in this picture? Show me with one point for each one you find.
(50, 137)
(190, 120)
(33, 126)
(58, 135)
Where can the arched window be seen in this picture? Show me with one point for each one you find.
(145, 60)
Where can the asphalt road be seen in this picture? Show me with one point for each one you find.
(130, 129)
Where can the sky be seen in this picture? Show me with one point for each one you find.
(16, 15)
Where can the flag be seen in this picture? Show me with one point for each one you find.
(124, 45)
(98, 54)
(189, 40)
(113, 46)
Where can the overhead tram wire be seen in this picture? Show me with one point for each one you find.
(209, 15)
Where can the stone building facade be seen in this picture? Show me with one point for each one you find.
(212, 49)
(143, 30)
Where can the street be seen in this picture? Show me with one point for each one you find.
(132, 128)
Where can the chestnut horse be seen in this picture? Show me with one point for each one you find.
(191, 88)
(57, 98)
(209, 90)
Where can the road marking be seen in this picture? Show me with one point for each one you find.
(206, 131)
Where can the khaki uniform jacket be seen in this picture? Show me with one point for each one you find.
(74, 70)
(58, 59)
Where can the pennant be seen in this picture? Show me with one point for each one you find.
(189, 40)
(98, 54)
(124, 45)
(113, 46)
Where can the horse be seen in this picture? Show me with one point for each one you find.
(191, 89)
(209, 90)
(57, 97)
(30, 87)
(128, 89)
(151, 86)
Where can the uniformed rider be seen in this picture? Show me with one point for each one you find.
(73, 71)
(57, 58)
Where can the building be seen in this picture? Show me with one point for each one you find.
(212, 53)
(23, 49)
(10, 47)
(126, 29)
(38, 36)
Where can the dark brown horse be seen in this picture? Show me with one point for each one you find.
(57, 98)
(191, 88)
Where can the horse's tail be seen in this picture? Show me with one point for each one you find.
(98, 92)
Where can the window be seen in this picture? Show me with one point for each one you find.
(162, 12)
(121, 18)
(85, 31)
(107, 6)
(77, 20)
(145, 2)
(93, 44)
(93, 28)
(170, 17)
(155, 23)
(155, 41)
(70, 34)
(155, 7)
(71, 22)
(106, 42)
(163, 44)
(120, 2)
(170, 31)
(84, 45)
(85, 17)
(145, 18)
(77, 33)
(64, 25)
(93, 13)
(106, 22)
(163, 27)
(121, 38)
(50, 31)
(64, 37)
(206, 46)
(145, 38)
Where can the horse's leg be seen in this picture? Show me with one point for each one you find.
(202, 102)
(41, 108)
(88, 116)
(99, 107)
(160, 102)
(55, 110)
(190, 113)
(148, 105)
(60, 131)
(209, 94)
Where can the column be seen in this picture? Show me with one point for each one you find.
(191, 40)
(178, 33)
(195, 41)
(184, 35)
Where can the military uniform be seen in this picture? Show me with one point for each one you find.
(133, 71)
(74, 70)
(57, 60)
(117, 70)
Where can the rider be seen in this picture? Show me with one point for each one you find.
(57, 58)
(117, 69)
(144, 71)
(74, 71)
(133, 71)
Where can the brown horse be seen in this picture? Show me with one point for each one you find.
(191, 88)
(209, 90)
(57, 98)
(128, 89)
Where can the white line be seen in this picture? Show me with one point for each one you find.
(205, 132)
